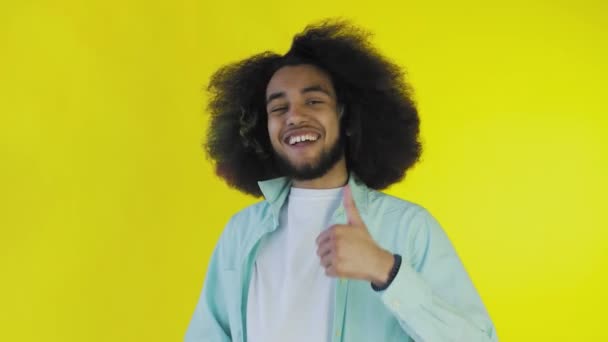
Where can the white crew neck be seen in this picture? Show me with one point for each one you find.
(314, 193)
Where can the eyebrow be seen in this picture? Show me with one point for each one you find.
(313, 88)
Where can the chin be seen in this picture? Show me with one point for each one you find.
(311, 165)
(304, 167)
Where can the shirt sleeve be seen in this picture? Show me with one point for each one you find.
(432, 295)
(210, 319)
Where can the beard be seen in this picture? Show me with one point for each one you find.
(316, 169)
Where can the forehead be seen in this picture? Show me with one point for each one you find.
(298, 77)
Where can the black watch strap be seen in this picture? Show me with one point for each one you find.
(391, 275)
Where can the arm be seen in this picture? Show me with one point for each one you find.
(210, 319)
(432, 295)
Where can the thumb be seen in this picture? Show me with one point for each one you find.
(352, 214)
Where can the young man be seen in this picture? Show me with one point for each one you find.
(326, 257)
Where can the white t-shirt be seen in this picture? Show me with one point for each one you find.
(290, 297)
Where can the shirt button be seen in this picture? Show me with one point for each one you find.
(395, 304)
(338, 333)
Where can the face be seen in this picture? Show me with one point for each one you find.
(303, 121)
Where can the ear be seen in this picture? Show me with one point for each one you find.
(340, 111)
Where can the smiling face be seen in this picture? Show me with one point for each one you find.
(303, 121)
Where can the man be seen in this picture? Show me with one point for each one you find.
(326, 257)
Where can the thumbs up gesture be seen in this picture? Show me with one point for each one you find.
(348, 250)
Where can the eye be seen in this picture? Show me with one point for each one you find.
(278, 110)
(313, 102)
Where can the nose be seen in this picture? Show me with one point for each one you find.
(295, 116)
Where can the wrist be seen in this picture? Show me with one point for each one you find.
(382, 270)
(392, 274)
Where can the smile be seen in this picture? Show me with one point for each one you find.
(294, 139)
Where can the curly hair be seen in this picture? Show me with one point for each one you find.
(380, 114)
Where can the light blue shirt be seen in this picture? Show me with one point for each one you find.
(432, 297)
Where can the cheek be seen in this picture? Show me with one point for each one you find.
(332, 129)
(273, 131)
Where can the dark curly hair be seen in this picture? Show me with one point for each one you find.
(380, 114)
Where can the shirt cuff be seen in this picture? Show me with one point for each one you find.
(408, 291)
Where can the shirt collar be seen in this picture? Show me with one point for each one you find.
(275, 192)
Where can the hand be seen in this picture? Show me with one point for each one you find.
(348, 250)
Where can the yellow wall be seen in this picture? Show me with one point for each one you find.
(109, 209)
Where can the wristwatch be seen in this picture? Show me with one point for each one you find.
(391, 274)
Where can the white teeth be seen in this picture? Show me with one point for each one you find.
(299, 138)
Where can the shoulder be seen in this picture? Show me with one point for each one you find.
(380, 203)
(256, 212)
(247, 220)
(396, 219)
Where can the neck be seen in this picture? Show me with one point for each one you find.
(336, 177)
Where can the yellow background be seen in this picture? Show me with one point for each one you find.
(109, 210)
